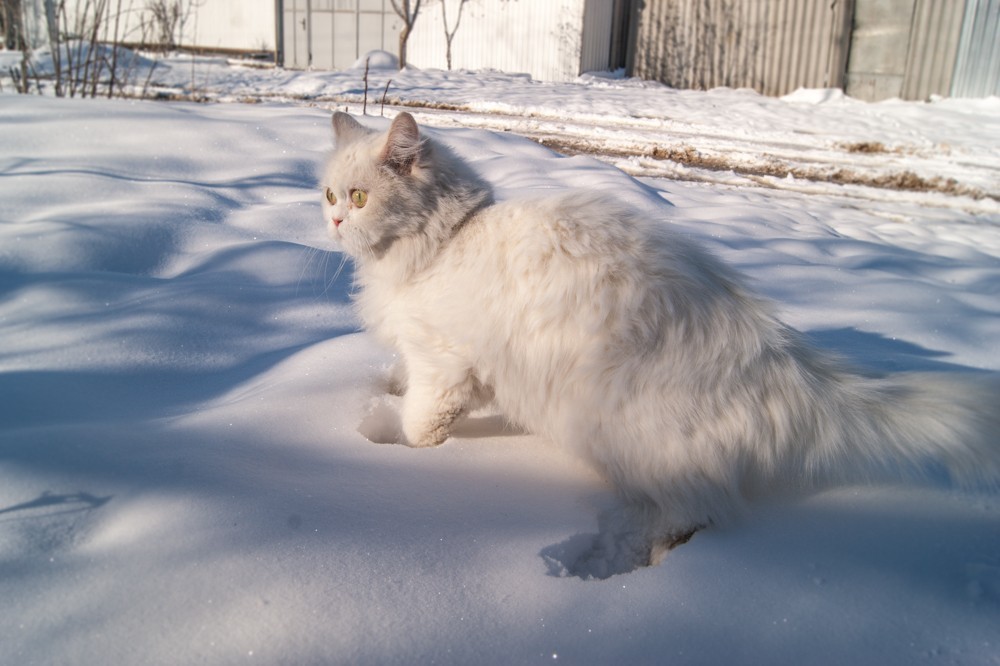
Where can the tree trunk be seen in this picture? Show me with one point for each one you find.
(404, 35)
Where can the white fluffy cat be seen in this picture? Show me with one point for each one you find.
(589, 324)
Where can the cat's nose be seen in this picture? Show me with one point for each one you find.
(336, 222)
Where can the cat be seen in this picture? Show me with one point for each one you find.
(587, 323)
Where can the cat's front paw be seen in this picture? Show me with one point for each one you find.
(424, 438)
(382, 425)
(427, 432)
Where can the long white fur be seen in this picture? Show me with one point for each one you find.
(617, 336)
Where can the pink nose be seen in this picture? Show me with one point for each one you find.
(336, 222)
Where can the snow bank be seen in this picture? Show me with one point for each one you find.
(182, 479)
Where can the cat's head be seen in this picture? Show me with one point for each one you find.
(379, 188)
(364, 181)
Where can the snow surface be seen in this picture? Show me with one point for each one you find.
(182, 382)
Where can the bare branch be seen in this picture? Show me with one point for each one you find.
(449, 35)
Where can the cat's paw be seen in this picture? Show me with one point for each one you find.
(422, 430)
(428, 435)
(381, 424)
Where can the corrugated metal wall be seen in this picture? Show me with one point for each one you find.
(871, 48)
(595, 45)
(934, 39)
(772, 46)
(977, 66)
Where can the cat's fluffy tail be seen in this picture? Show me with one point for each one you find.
(912, 423)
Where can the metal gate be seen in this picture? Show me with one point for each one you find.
(334, 34)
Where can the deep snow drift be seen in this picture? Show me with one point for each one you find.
(182, 479)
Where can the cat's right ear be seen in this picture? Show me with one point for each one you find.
(346, 128)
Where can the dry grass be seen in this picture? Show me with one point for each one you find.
(865, 147)
(689, 156)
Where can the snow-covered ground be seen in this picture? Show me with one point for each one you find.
(182, 382)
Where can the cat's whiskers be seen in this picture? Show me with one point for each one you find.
(340, 269)
(312, 252)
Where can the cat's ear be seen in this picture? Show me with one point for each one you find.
(346, 128)
(402, 144)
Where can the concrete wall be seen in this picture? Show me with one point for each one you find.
(904, 48)
(879, 45)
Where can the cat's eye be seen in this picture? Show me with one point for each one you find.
(359, 198)
(331, 197)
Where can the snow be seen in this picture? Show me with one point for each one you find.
(182, 384)
(377, 59)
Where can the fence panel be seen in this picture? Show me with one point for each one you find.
(977, 69)
(772, 46)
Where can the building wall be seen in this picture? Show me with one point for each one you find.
(914, 49)
(773, 46)
(246, 25)
(543, 39)
(977, 66)
(872, 48)
(243, 25)
(904, 48)
(595, 44)
(935, 36)
(334, 34)
(879, 45)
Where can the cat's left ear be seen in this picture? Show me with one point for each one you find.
(346, 128)
(402, 144)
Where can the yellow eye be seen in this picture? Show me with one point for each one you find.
(331, 197)
(359, 198)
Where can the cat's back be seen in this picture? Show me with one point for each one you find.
(576, 226)
(594, 262)
(563, 264)
(590, 232)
